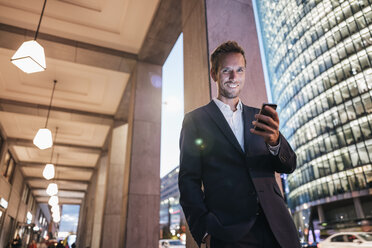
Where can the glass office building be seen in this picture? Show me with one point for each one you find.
(318, 58)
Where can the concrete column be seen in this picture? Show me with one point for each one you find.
(234, 20)
(115, 201)
(90, 223)
(99, 201)
(89, 210)
(206, 24)
(132, 203)
(358, 208)
(195, 55)
(321, 213)
(142, 224)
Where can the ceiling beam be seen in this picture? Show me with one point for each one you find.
(73, 147)
(37, 164)
(60, 189)
(60, 180)
(163, 33)
(58, 113)
(62, 200)
(60, 197)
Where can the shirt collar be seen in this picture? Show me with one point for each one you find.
(221, 105)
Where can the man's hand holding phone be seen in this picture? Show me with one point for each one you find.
(266, 124)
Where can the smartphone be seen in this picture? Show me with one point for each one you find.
(264, 112)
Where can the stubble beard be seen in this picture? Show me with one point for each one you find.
(227, 94)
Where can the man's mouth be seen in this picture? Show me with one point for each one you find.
(232, 85)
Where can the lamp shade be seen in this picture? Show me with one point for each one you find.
(48, 171)
(52, 189)
(55, 208)
(30, 57)
(56, 215)
(53, 200)
(56, 219)
(43, 139)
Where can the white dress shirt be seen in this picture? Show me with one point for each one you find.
(235, 120)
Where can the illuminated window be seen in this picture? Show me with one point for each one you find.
(8, 167)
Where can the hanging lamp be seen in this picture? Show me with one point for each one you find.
(49, 170)
(52, 189)
(43, 138)
(53, 200)
(57, 219)
(55, 209)
(30, 56)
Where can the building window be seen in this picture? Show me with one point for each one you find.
(8, 167)
(26, 194)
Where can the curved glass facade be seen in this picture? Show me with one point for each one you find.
(319, 57)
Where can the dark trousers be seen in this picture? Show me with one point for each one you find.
(260, 236)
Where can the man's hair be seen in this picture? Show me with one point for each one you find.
(221, 50)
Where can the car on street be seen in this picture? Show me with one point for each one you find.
(348, 240)
(309, 245)
(171, 243)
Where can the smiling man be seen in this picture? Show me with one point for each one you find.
(227, 169)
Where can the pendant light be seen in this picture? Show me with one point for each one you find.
(43, 138)
(52, 189)
(53, 200)
(49, 170)
(55, 215)
(55, 209)
(30, 55)
(57, 218)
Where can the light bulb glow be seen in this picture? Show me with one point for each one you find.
(57, 218)
(43, 139)
(30, 57)
(53, 200)
(55, 215)
(55, 208)
(52, 189)
(48, 171)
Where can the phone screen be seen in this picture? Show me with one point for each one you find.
(264, 112)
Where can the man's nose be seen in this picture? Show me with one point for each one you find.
(232, 75)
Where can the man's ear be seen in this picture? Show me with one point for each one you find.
(213, 75)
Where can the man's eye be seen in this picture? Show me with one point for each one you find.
(240, 70)
(225, 70)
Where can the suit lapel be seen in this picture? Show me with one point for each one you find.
(216, 114)
(248, 117)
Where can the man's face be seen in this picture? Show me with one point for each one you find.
(230, 76)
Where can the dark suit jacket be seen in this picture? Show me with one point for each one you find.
(234, 181)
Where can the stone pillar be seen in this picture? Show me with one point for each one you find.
(115, 202)
(358, 208)
(234, 20)
(142, 224)
(85, 232)
(321, 213)
(195, 55)
(99, 201)
(132, 201)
